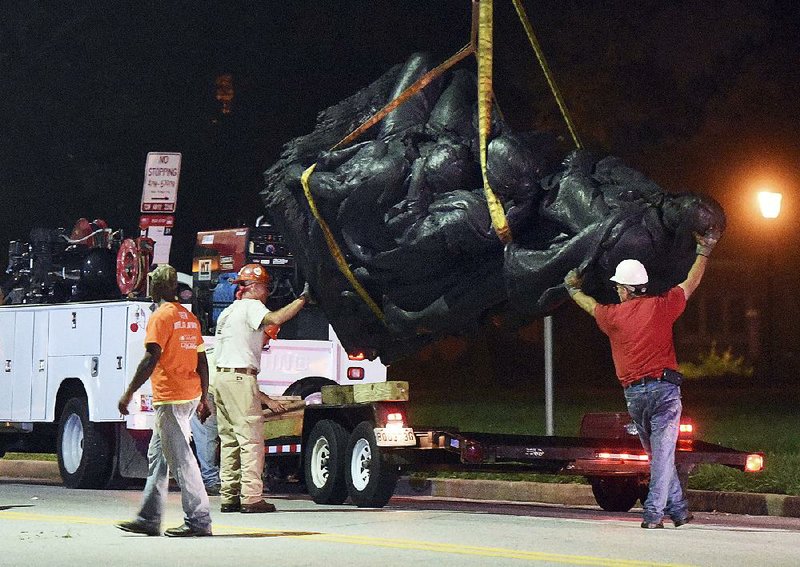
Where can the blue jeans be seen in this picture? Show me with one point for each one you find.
(170, 451)
(205, 444)
(656, 410)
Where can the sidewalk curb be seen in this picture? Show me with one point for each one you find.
(29, 470)
(747, 503)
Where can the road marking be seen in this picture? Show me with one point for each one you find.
(500, 553)
(414, 545)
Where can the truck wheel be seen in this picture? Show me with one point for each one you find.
(85, 456)
(308, 386)
(325, 463)
(615, 493)
(370, 478)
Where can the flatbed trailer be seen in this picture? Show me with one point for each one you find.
(358, 450)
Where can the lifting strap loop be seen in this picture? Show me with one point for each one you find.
(485, 26)
(336, 252)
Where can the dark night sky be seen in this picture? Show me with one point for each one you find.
(700, 96)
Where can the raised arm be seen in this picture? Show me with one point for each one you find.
(573, 284)
(705, 244)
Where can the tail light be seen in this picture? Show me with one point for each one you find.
(391, 416)
(355, 373)
(473, 453)
(356, 355)
(754, 463)
(623, 456)
(686, 430)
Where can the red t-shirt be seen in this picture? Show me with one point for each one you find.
(640, 332)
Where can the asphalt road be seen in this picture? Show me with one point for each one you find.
(45, 524)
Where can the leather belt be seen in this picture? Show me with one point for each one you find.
(644, 380)
(249, 371)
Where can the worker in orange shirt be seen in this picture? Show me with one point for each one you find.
(175, 362)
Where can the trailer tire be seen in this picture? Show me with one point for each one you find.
(308, 386)
(615, 493)
(325, 463)
(371, 479)
(84, 448)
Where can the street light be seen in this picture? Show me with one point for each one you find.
(769, 203)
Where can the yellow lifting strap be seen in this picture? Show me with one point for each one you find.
(418, 85)
(333, 246)
(485, 28)
(336, 252)
(537, 49)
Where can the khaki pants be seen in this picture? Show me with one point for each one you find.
(240, 422)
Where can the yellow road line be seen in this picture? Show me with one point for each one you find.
(413, 545)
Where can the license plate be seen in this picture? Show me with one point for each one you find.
(395, 437)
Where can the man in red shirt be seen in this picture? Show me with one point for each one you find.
(175, 362)
(639, 329)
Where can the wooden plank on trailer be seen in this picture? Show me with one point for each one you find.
(337, 395)
(286, 423)
(393, 391)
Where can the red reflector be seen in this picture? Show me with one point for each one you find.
(754, 463)
(473, 453)
(356, 356)
(355, 373)
(134, 327)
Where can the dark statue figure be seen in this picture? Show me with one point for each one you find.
(406, 206)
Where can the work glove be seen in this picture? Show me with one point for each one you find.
(573, 282)
(707, 241)
(306, 293)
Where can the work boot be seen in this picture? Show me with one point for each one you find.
(230, 507)
(137, 527)
(187, 531)
(652, 525)
(258, 508)
(678, 523)
(213, 490)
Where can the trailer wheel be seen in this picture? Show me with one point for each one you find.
(85, 455)
(371, 480)
(615, 493)
(325, 463)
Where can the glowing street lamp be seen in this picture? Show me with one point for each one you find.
(769, 202)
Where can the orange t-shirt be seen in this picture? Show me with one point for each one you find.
(177, 332)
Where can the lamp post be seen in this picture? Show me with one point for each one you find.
(769, 203)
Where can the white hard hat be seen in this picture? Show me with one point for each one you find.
(630, 272)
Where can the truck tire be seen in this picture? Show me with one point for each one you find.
(371, 480)
(616, 493)
(85, 448)
(308, 386)
(325, 463)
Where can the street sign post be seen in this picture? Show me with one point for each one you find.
(161, 175)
